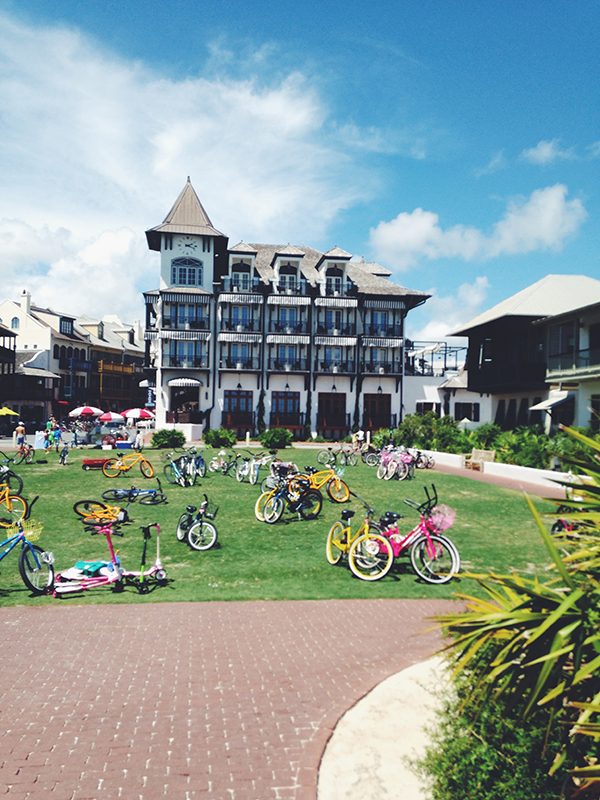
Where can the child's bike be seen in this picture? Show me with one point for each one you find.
(302, 500)
(115, 466)
(370, 556)
(146, 497)
(195, 525)
(35, 564)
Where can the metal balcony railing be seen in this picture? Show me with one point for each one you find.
(186, 362)
(233, 285)
(279, 419)
(299, 287)
(394, 331)
(580, 359)
(331, 330)
(245, 326)
(288, 365)
(186, 323)
(334, 366)
(382, 367)
(240, 363)
(276, 326)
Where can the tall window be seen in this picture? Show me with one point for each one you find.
(186, 272)
(14, 323)
(66, 326)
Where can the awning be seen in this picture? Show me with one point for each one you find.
(336, 341)
(555, 399)
(288, 300)
(250, 338)
(184, 382)
(378, 341)
(283, 338)
(385, 304)
(241, 298)
(187, 296)
(336, 302)
(188, 336)
(146, 384)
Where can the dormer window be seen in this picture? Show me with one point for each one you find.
(66, 326)
(101, 330)
(240, 276)
(333, 280)
(186, 271)
(288, 276)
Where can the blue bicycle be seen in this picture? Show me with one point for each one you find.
(35, 564)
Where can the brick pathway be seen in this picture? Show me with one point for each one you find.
(220, 701)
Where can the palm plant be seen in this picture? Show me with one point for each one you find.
(537, 644)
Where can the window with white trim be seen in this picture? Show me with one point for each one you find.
(186, 271)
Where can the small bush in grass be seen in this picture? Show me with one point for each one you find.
(276, 438)
(168, 438)
(222, 437)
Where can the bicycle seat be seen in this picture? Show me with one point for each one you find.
(190, 509)
(347, 514)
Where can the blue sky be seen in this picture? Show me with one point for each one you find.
(458, 144)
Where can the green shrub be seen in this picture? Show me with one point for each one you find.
(222, 437)
(168, 438)
(275, 438)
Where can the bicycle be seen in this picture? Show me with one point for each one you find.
(306, 502)
(35, 564)
(87, 575)
(25, 453)
(328, 457)
(180, 470)
(94, 512)
(337, 490)
(348, 455)
(277, 471)
(146, 497)
(372, 555)
(15, 484)
(195, 527)
(433, 556)
(13, 508)
(115, 466)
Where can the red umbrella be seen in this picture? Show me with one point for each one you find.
(85, 411)
(111, 416)
(138, 413)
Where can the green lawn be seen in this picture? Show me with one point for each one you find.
(255, 561)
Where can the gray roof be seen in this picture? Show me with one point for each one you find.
(186, 216)
(554, 294)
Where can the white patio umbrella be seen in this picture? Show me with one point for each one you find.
(86, 411)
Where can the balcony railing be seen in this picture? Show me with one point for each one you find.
(333, 421)
(75, 363)
(299, 287)
(240, 363)
(331, 330)
(581, 359)
(186, 323)
(186, 363)
(345, 290)
(288, 327)
(278, 419)
(384, 330)
(334, 366)
(237, 419)
(245, 326)
(232, 285)
(288, 365)
(382, 367)
(185, 417)
(128, 369)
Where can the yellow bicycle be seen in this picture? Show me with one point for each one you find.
(335, 487)
(370, 555)
(115, 466)
(12, 507)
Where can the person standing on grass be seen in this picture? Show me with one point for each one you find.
(20, 433)
(138, 441)
(57, 437)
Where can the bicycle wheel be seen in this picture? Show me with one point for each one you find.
(213, 466)
(153, 499)
(371, 557)
(401, 471)
(343, 459)
(15, 484)
(171, 473)
(110, 468)
(146, 468)
(353, 459)
(89, 508)
(12, 510)
(372, 460)
(183, 526)
(241, 471)
(391, 470)
(253, 476)
(268, 484)
(335, 545)
(324, 456)
(201, 467)
(30, 456)
(311, 503)
(115, 494)
(382, 469)
(430, 462)
(558, 526)
(259, 507)
(337, 490)
(273, 509)
(35, 566)
(436, 560)
(202, 536)
(19, 457)
(190, 473)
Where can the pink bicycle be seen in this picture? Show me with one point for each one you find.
(433, 556)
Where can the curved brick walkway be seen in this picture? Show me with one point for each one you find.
(222, 701)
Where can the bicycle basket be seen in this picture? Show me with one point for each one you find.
(210, 512)
(31, 528)
(442, 517)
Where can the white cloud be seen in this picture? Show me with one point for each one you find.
(447, 313)
(545, 152)
(92, 143)
(541, 222)
(594, 150)
(496, 163)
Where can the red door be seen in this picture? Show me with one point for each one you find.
(378, 411)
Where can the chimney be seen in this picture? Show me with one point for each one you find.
(26, 302)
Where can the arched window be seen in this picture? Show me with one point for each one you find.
(69, 352)
(186, 272)
(14, 323)
(56, 351)
(63, 352)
